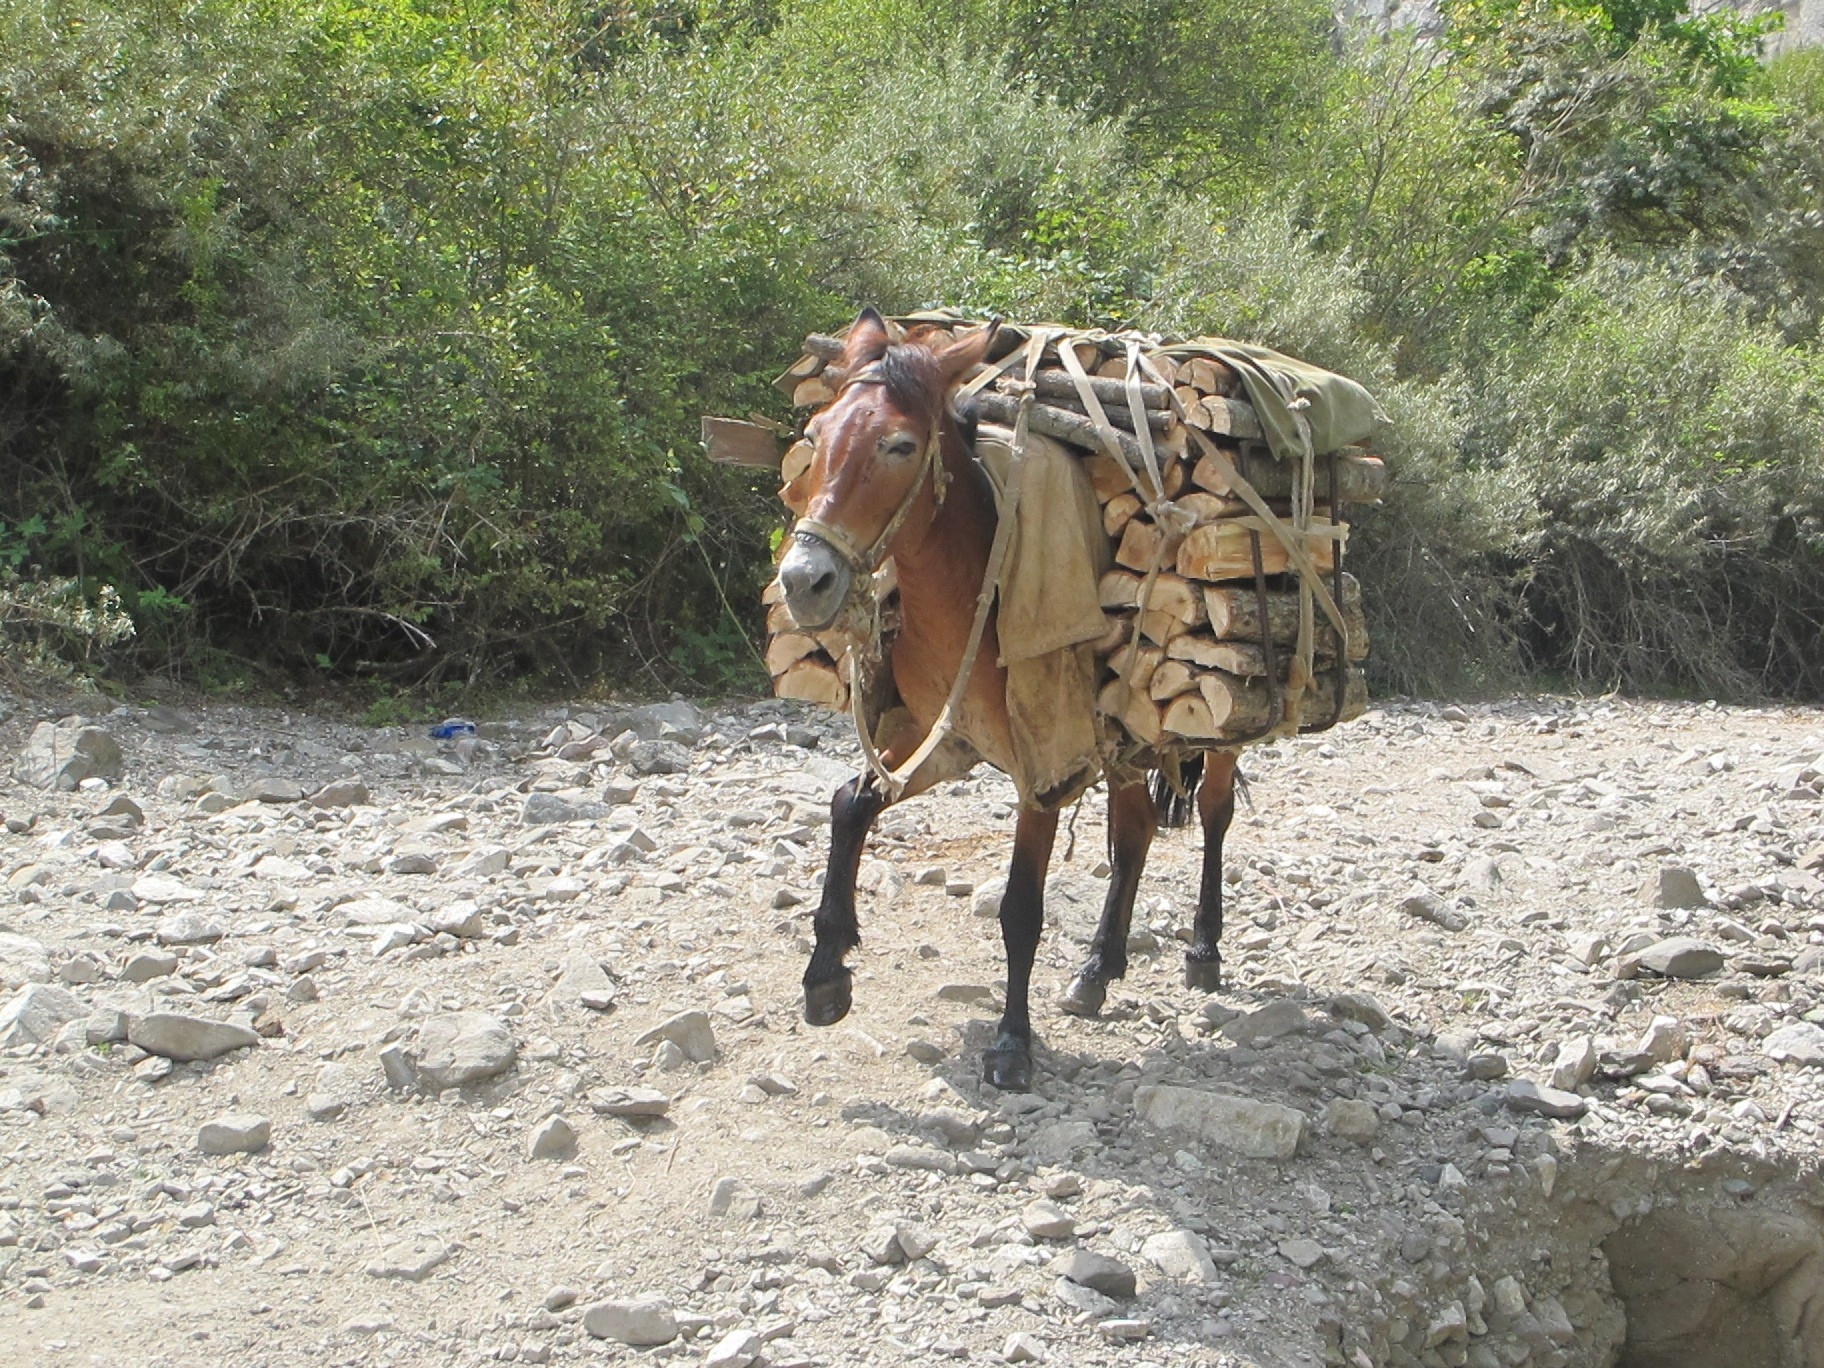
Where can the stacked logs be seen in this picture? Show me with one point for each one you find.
(1205, 661)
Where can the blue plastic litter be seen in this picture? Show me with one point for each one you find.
(452, 727)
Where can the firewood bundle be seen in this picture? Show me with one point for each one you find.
(1204, 602)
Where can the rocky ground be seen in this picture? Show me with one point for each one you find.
(321, 1044)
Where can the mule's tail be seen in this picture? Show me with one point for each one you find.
(1175, 795)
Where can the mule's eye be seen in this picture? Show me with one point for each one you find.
(899, 446)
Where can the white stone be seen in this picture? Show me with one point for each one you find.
(1259, 1130)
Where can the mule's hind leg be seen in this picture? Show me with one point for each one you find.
(1008, 1062)
(1132, 819)
(1216, 806)
(826, 978)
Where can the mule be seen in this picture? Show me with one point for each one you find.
(893, 474)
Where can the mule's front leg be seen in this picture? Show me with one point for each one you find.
(827, 979)
(1216, 807)
(1132, 820)
(1008, 1062)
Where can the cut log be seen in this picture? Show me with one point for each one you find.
(794, 469)
(1207, 375)
(1225, 418)
(1119, 589)
(1240, 707)
(1234, 613)
(1222, 551)
(804, 367)
(1141, 545)
(1360, 478)
(796, 461)
(1206, 507)
(1138, 713)
(1117, 512)
(779, 619)
(1111, 368)
(1144, 659)
(730, 441)
(1175, 606)
(812, 392)
(814, 681)
(786, 649)
(1107, 476)
(821, 347)
(1120, 632)
(1249, 660)
(1172, 678)
(1188, 716)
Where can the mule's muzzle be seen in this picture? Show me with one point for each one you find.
(815, 580)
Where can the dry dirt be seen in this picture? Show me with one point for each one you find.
(1431, 910)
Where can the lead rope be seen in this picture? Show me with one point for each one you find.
(895, 781)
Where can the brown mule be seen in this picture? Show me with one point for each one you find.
(893, 475)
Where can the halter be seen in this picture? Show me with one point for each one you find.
(865, 563)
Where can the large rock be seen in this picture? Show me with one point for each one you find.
(583, 983)
(689, 1031)
(1086, 1268)
(1674, 886)
(60, 755)
(186, 1038)
(1797, 1042)
(237, 1133)
(34, 1014)
(638, 1321)
(463, 1047)
(1682, 957)
(22, 961)
(675, 721)
(1525, 1095)
(1181, 1254)
(1259, 1130)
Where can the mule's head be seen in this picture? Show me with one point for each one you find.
(878, 445)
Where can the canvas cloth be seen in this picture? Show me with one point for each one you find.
(1049, 617)
(1339, 411)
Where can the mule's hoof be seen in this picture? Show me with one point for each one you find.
(1084, 997)
(1008, 1065)
(828, 1002)
(1205, 975)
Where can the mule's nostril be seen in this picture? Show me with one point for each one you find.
(824, 583)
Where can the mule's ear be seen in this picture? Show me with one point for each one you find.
(867, 341)
(957, 358)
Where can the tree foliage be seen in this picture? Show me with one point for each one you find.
(371, 335)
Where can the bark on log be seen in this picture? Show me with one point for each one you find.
(1119, 415)
(1239, 707)
(1234, 613)
(1222, 551)
(1066, 426)
(1360, 478)
(1052, 382)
